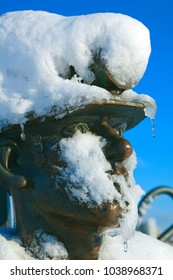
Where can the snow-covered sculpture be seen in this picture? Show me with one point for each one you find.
(65, 101)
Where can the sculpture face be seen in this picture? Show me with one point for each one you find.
(39, 203)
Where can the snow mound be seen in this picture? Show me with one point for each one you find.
(10, 246)
(140, 247)
(39, 52)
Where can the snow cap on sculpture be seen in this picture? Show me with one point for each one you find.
(51, 63)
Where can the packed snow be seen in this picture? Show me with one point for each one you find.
(150, 104)
(86, 169)
(10, 246)
(38, 49)
(88, 172)
(140, 247)
(46, 246)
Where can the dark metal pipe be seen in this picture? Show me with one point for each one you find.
(148, 198)
(3, 206)
(167, 234)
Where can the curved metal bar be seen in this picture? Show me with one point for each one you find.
(166, 235)
(147, 199)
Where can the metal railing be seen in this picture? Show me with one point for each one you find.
(144, 205)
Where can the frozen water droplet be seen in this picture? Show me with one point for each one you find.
(125, 247)
(22, 135)
(153, 128)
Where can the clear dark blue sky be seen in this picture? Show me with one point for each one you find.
(155, 156)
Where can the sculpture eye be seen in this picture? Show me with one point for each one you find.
(82, 127)
(70, 130)
(120, 129)
(9, 152)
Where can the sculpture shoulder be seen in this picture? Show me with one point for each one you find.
(10, 248)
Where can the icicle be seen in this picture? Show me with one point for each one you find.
(153, 128)
(22, 135)
(125, 246)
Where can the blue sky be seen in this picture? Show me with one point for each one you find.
(155, 155)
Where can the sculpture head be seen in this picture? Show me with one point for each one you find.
(53, 63)
(31, 170)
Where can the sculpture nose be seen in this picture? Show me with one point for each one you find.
(117, 148)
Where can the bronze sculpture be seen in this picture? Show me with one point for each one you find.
(26, 172)
(68, 83)
(57, 84)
